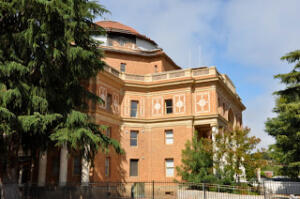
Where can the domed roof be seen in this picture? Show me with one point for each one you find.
(113, 26)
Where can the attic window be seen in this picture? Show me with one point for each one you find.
(121, 41)
(122, 67)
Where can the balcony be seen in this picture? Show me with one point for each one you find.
(170, 75)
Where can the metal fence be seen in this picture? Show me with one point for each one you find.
(160, 190)
(281, 189)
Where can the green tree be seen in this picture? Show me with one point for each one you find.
(285, 127)
(273, 158)
(46, 54)
(235, 156)
(197, 161)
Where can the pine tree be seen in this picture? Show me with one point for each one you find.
(285, 127)
(46, 54)
(197, 161)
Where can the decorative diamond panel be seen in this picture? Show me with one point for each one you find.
(179, 102)
(115, 105)
(102, 93)
(202, 102)
(157, 106)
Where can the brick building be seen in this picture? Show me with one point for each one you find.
(152, 107)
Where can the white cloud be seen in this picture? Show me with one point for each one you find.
(260, 32)
(258, 109)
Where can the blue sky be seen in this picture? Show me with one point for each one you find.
(244, 39)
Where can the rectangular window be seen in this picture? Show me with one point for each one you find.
(134, 164)
(109, 102)
(169, 106)
(76, 165)
(55, 166)
(169, 167)
(133, 108)
(108, 132)
(122, 67)
(107, 166)
(133, 138)
(169, 137)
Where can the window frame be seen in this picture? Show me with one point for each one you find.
(136, 138)
(166, 167)
(166, 137)
(73, 165)
(109, 102)
(130, 167)
(123, 67)
(131, 108)
(155, 69)
(107, 167)
(108, 132)
(168, 107)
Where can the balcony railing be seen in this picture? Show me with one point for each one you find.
(169, 75)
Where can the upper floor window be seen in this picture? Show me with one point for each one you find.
(134, 165)
(155, 69)
(133, 108)
(109, 102)
(123, 67)
(133, 138)
(169, 106)
(122, 41)
(108, 132)
(107, 166)
(169, 167)
(169, 137)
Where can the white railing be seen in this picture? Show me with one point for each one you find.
(168, 75)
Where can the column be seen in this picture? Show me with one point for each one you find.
(258, 173)
(85, 171)
(63, 169)
(42, 168)
(20, 176)
(85, 168)
(214, 132)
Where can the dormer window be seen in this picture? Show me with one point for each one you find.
(122, 67)
(121, 41)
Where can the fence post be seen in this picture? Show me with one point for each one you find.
(152, 189)
(107, 189)
(204, 191)
(264, 187)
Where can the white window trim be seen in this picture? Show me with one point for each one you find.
(137, 135)
(169, 167)
(169, 138)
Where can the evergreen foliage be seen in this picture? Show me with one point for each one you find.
(285, 127)
(46, 53)
(197, 161)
